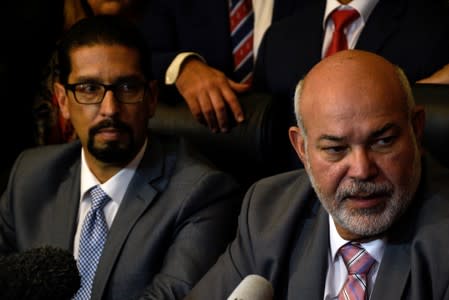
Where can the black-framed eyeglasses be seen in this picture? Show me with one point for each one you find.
(94, 92)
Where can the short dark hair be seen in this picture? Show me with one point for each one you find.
(102, 29)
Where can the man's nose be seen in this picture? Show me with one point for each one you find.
(362, 164)
(109, 106)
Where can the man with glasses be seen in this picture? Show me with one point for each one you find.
(143, 215)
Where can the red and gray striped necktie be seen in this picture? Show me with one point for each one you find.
(359, 263)
(242, 24)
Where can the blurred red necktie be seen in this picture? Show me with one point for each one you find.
(342, 19)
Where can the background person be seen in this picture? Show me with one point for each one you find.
(143, 215)
(410, 33)
(49, 126)
(180, 31)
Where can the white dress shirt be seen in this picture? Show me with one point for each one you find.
(364, 8)
(337, 271)
(263, 15)
(115, 188)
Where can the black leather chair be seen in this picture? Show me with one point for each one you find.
(260, 147)
(257, 148)
(435, 99)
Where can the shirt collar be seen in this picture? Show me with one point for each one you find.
(375, 248)
(364, 8)
(114, 186)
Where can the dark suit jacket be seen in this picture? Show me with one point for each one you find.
(413, 34)
(176, 217)
(284, 236)
(202, 26)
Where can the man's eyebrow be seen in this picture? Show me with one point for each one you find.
(381, 131)
(134, 77)
(332, 138)
(87, 79)
(377, 133)
(119, 79)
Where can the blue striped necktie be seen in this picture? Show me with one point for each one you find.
(241, 26)
(93, 237)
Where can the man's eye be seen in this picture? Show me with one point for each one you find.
(334, 149)
(384, 142)
(129, 87)
(88, 88)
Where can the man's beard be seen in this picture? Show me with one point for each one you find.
(368, 222)
(113, 152)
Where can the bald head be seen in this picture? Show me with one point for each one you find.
(353, 73)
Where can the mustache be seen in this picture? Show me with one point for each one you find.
(364, 189)
(109, 123)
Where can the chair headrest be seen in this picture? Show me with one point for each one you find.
(435, 99)
(249, 151)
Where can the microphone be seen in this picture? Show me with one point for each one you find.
(39, 273)
(253, 287)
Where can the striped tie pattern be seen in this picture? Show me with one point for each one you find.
(242, 24)
(359, 263)
(342, 19)
(93, 237)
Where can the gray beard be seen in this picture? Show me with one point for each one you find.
(370, 221)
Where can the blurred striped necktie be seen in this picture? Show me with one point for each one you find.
(242, 23)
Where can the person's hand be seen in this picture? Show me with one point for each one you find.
(441, 76)
(209, 93)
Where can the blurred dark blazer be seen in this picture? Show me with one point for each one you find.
(202, 26)
(412, 34)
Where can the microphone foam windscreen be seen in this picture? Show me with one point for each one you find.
(39, 273)
(253, 287)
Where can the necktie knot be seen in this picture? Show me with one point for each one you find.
(357, 260)
(342, 18)
(99, 198)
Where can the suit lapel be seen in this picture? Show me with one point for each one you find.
(382, 23)
(309, 265)
(152, 176)
(395, 269)
(65, 211)
(393, 272)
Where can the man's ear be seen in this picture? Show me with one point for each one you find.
(418, 123)
(298, 142)
(152, 95)
(61, 96)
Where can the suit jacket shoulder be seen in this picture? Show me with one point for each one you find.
(284, 236)
(176, 217)
(276, 214)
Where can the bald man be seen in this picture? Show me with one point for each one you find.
(368, 202)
